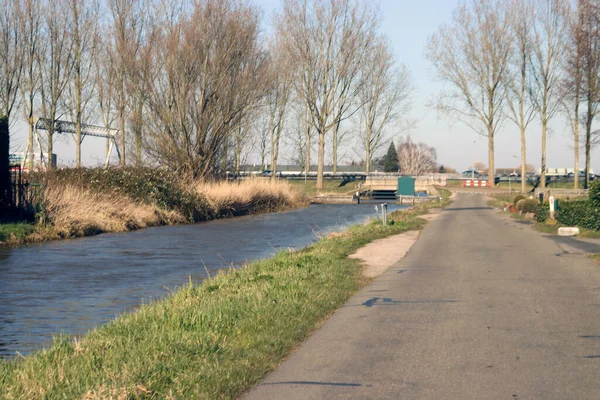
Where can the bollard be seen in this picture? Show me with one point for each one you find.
(384, 212)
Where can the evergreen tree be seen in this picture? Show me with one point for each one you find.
(390, 161)
(442, 169)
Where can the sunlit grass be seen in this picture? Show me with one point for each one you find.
(14, 233)
(251, 196)
(329, 186)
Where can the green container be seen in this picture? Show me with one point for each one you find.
(406, 186)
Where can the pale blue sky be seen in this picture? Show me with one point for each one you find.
(408, 24)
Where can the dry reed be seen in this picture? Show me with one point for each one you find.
(74, 211)
(250, 196)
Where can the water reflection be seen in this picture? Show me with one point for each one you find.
(71, 286)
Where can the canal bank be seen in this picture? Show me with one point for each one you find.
(211, 340)
(72, 203)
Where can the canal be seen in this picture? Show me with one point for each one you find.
(74, 285)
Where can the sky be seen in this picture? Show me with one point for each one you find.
(408, 24)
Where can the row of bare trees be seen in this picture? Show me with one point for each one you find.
(522, 60)
(190, 85)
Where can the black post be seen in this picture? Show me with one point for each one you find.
(5, 181)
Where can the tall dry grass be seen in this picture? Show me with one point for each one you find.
(251, 196)
(73, 211)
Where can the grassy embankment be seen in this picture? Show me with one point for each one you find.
(91, 201)
(309, 188)
(209, 341)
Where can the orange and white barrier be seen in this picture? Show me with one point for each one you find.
(475, 183)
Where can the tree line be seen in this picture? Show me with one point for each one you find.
(522, 60)
(191, 85)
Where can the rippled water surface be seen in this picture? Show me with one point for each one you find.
(73, 285)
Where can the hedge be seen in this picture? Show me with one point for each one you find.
(579, 213)
(542, 212)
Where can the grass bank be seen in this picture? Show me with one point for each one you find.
(309, 187)
(209, 341)
(91, 201)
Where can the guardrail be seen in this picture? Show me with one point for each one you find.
(557, 192)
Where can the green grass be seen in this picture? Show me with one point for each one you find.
(514, 186)
(209, 341)
(330, 186)
(15, 232)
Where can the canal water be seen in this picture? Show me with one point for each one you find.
(74, 285)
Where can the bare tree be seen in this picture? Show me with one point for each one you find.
(261, 131)
(549, 37)
(415, 158)
(326, 42)
(126, 20)
(281, 84)
(82, 16)
(589, 42)
(572, 82)
(56, 65)
(520, 109)
(472, 57)
(208, 77)
(384, 97)
(105, 83)
(11, 55)
(29, 19)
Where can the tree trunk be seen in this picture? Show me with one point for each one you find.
(588, 144)
(492, 169)
(335, 146)
(576, 145)
(543, 174)
(50, 146)
(308, 144)
(30, 140)
(78, 150)
(122, 137)
(274, 155)
(78, 112)
(321, 159)
(523, 160)
(368, 154)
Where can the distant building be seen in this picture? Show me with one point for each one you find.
(562, 171)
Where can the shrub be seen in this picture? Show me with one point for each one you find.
(527, 205)
(595, 194)
(518, 198)
(542, 212)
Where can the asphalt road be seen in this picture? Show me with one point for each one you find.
(482, 307)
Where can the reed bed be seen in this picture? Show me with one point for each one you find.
(74, 211)
(251, 196)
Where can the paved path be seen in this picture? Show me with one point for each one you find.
(482, 307)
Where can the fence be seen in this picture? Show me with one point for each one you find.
(25, 195)
(561, 193)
